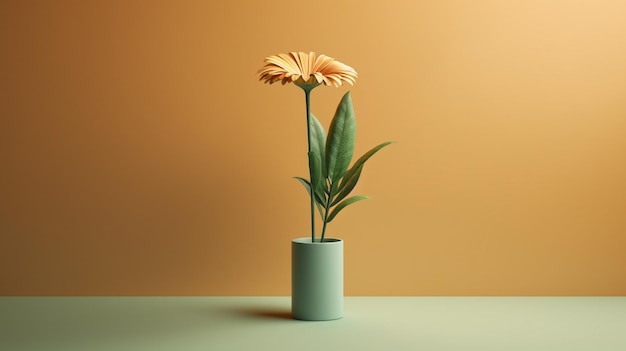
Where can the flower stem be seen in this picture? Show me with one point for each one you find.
(307, 94)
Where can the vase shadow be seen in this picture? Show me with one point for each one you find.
(274, 313)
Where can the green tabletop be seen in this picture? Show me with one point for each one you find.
(264, 323)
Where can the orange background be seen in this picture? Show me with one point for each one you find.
(141, 156)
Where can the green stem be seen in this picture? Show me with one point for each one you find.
(307, 94)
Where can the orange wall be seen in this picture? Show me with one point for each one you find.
(140, 155)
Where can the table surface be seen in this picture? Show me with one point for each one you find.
(265, 323)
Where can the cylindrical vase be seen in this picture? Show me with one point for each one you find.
(317, 279)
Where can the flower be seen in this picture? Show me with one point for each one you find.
(305, 69)
(331, 179)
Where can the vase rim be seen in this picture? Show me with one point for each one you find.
(308, 241)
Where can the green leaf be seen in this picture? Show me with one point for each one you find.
(349, 181)
(361, 161)
(340, 141)
(315, 170)
(319, 202)
(343, 205)
(318, 140)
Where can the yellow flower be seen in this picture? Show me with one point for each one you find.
(306, 69)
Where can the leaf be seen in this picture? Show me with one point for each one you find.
(307, 186)
(340, 141)
(318, 140)
(343, 205)
(348, 182)
(315, 170)
(350, 179)
(361, 161)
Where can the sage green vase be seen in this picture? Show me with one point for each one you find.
(317, 279)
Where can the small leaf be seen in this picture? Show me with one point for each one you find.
(315, 170)
(349, 181)
(319, 202)
(340, 141)
(343, 205)
(361, 161)
(318, 140)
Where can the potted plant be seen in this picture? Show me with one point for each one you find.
(317, 264)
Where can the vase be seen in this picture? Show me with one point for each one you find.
(317, 279)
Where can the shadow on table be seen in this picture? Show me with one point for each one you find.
(269, 313)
